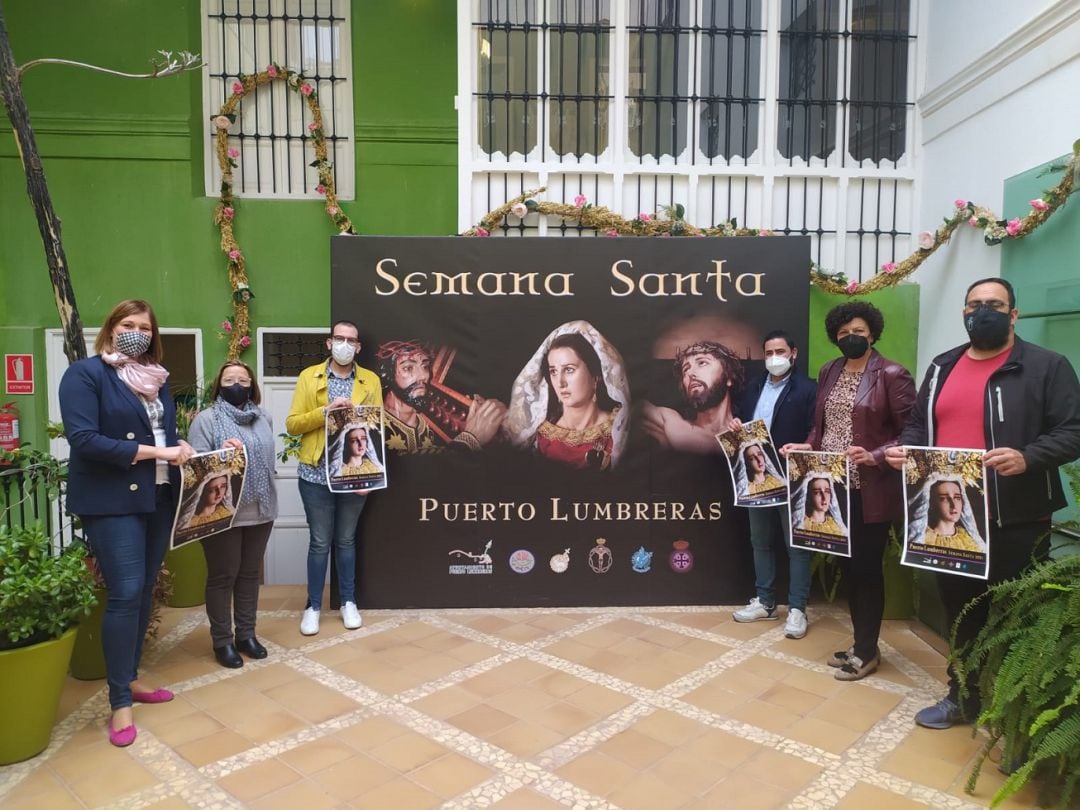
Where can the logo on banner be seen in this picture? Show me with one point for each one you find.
(681, 559)
(19, 374)
(600, 557)
(522, 561)
(560, 562)
(641, 560)
(477, 563)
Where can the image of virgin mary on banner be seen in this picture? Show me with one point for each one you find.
(945, 511)
(355, 450)
(212, 486)
(571, 401)
(755, 467)
(819, 501)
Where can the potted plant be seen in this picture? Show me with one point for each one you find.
(43, 595)
(1028, 657)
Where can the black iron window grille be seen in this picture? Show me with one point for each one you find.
(286, 354)
(271, 131)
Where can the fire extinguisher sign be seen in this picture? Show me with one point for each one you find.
(18, 373)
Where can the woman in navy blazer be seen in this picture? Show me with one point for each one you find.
(123, 482)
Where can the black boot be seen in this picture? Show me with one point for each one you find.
(251, 648)
(227, 656)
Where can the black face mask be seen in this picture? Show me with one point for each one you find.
(987, 328)
(853, 346)
(236, 394)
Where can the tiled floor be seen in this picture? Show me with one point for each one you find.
(646, 708)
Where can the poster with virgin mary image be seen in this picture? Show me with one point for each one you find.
(355, 450)
(945, 511)
(755, 467)
(819, 501)
(212, 486)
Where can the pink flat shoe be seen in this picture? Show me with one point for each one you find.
(123, 737)
(157, 696)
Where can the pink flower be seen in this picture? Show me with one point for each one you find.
(222, 122)
(926, 240)
(271, 71)
(960, 203)
(519, 210)
(332, 210)
(481, 231)
(237, 87)
(1039, 205)
(612, 232)
(579, 201)
(764, 232)
(699, 234)
(1013, 226)
(644, 217)
(226, 325)
(234, 153)
(665, 235)
(974, 222)
(306, 89)
(312, 127)
(234, 255)
(888, 267)
(227, 212)
(320, 189)
(852, 287)
(245, 341)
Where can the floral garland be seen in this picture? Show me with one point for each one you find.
(671, 223)
(237, 326)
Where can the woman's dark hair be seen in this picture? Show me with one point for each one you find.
(577, 343)
(346, 451)
(215, 389)
(808, 508)
(845, 313)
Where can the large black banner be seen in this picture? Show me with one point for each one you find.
(551, 410)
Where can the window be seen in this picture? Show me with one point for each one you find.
(790, 115)
(309, 36)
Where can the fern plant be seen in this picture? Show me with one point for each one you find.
(1028, 659)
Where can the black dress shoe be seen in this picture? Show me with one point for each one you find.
(251, 648)
(227, 656)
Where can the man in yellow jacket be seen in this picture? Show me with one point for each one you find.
(337, 382)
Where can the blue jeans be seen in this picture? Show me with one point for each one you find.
(768, 529)
(129, 551)
(332, 517)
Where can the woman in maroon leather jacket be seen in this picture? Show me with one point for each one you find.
(862, 403)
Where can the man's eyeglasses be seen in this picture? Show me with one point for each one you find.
(340, 340)
(993, 303)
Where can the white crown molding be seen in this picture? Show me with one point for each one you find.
(1043, 44)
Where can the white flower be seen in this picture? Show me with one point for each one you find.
(926, 240)
(519, 210)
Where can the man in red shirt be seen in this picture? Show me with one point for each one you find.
(1021, 403)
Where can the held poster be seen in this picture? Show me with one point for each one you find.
(819, 501)
(756, 472)
(355, 452)
(551, 411)
(945, 511)
(212, 485)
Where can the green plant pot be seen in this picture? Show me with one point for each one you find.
(188, 567)
(899, 589)
(31, 680)
(88, 657)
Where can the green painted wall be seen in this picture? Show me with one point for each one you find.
(124, 164)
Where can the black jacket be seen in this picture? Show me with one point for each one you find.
(1032, 405)
(793, 415)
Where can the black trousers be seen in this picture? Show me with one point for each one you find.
(864, 578)
(234, 561)
(1011, 551)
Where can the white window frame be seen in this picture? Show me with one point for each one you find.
(343, 156)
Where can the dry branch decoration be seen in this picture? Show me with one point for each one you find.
(238, 325)
(671, 223)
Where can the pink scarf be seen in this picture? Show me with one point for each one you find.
(144, 379)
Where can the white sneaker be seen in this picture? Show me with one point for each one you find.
(754, 612)
(351, 616)
(309, 624)
(795, 626)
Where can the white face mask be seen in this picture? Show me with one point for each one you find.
(342, 353)
(778, 365)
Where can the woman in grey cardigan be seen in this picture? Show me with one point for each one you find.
(234, 557)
